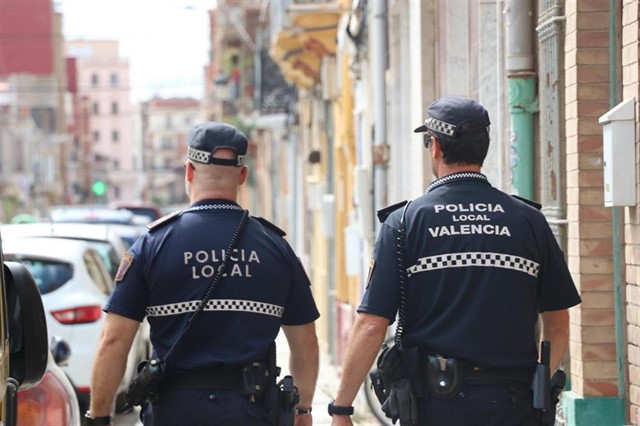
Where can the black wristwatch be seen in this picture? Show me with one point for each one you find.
(96, 421)
(339, 409)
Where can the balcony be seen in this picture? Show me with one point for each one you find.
(307, 33)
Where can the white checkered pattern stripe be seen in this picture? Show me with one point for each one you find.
(461, 260)
(440, 126)
(205, 157)
(199, 156)
(216, 305)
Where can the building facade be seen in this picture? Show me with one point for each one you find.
(103, 87)
(167, 125)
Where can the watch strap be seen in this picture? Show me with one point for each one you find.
(96, 421)
(339, 410)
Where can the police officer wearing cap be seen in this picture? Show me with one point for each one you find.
(167, 271)
(481, 267)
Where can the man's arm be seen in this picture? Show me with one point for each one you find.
(555, 329)
(303, 361)
(365, 341)
(110, 363)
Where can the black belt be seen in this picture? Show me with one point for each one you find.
(481, 375)
(218, 378)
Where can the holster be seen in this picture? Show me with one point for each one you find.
(145, 386)
(279, 398)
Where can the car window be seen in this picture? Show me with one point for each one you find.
(97, 272)
(48, 275)
(108, 255)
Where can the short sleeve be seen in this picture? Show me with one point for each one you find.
(129, 297)
(300, 306)
(556, 287)
(382, 293)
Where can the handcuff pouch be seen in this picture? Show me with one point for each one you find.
(444, 376)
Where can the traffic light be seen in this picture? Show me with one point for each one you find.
(99, 187)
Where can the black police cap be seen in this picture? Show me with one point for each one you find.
(447, 114)
(206, 138)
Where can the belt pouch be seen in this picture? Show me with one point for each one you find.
(444, 376)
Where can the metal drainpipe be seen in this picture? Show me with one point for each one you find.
(521, 81)
(380, 147)
(621, 352)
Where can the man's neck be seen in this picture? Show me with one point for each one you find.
(214, 195)
(449, 169)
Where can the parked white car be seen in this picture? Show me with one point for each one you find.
(75, 284)
(104, 238)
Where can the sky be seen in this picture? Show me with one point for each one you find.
(165, 41)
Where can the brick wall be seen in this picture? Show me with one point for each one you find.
(589, 250)
(631, 89)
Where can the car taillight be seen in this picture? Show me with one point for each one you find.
(79, 315)
(45, 404)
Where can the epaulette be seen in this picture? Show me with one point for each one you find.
(530, 202)
(384, 212)
(164, 219)
(270, 225)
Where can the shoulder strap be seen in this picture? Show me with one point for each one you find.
(270, 225)
(214, 282)
(384, 212)
(526, 200)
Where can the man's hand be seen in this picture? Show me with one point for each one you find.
(341, 421)
(303, 420)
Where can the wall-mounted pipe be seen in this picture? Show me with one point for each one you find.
(521, 80)
(379, 65)
(621, 349)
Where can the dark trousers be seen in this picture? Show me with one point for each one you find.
(195, 407)
(482, 405)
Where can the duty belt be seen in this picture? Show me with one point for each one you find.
(219, 378)
(479, 375)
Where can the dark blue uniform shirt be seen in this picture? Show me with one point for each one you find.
(481, 265)
(168, 270)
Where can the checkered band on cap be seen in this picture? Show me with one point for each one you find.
(487, 259)
(216, 305)
(440, 126)
(205, 157)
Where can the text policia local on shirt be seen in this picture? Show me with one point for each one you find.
(203, 263)
(461, 213)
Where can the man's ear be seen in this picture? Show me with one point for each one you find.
(188, 172)
(244, 173)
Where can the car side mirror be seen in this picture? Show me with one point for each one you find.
(60, 350)
(28, 341)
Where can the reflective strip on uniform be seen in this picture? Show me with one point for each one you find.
(216, 305)
(461, 260)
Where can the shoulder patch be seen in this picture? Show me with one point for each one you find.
(384, 213)
(164, 219)
(530, 202)
(125, 264)
(270, 225)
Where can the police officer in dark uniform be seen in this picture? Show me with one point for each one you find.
(166, 273)
(481, 267)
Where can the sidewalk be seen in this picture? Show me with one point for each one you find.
(326, 389)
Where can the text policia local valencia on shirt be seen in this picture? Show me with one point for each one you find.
(204, 262)
(461, 213)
